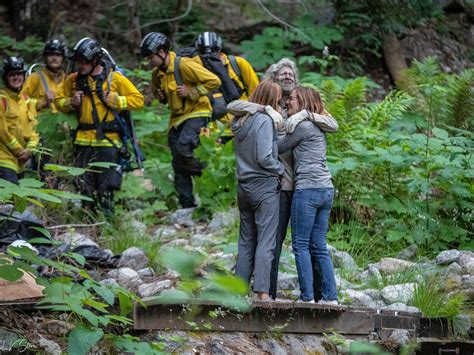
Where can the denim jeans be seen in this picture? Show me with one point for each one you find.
(283, 220)
(310, 212)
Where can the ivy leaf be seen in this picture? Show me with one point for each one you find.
(10, 273)
(82, 339)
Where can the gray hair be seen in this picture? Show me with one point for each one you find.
(273, 70)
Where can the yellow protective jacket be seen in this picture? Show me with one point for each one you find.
(123, 96)
(200, 83)
(249, 77)
(35, 88)
(17, 127)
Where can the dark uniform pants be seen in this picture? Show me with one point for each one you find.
(182, 142)
(101, 183)
(9, 175)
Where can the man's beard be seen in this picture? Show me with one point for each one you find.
(287, 88)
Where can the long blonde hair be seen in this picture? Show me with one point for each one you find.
(309, 99)
(267, 92)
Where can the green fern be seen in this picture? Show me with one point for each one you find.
(460, 100)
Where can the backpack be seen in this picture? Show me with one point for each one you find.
(227, 92)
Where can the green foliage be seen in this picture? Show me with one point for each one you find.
(28, 48)
(362, 347)
(433, 301)
(217, 186)
(402, 174)
(275, 43)
(55, 129)
(227, 290)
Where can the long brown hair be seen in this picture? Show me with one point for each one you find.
(267, 92)
(309, 99)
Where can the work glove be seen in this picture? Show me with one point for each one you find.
(240, 108)
(294, 120)
(278, 122)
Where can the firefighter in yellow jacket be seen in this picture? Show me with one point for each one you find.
(239, 69)
(190, 107)
(18, 137)
(97, 94)
(44, 84)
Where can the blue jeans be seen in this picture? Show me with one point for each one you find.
(310, 212)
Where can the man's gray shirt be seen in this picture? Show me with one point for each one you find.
(309, 156)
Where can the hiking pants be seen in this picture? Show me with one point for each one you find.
(182, 142)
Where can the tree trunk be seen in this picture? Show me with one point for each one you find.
(396, 63)
(135, 36)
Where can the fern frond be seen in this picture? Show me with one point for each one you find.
(392, 107)
(460, 100)
(355, 94)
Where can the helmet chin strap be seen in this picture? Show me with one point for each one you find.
(163, 65)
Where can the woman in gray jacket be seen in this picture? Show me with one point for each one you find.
(258, 191)
(312, 199)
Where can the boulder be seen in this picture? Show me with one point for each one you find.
(399, 337)
(448, 257)
(466, 257)
(468, 269)
(111, 283)
(371, 273)
(373, 293)
(183, 216)
(360, 299)
(76, 239)
(56, 327)
(452, 282)
(453, 268)
(223, 220)
(467, 281)
(154, 288)
(408, 253)
(462, 324)
(389, 266)
(146, 272)
(343, 260)
(134, 258)
(139, 228)
(287, 281)
(49, 346)
(271, 346)
(165, 233)
(398, 293)
(205, 240)
(128, 278)
(402, 307)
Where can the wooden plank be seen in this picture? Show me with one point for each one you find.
(433, 327)
(264, 317)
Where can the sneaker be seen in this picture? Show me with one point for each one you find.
(330, 303)
(301, 301)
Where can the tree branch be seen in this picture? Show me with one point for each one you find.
(286, 24)
(186, 13)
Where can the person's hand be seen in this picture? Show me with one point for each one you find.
(107, 97)
(50, 95)
(161, 95)
(183, 91)
(25, 154)
(77, 98)
(278, 121)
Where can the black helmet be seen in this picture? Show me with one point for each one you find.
(55, 46)
(86, 49)
(153, 42)
(209, 42)
(11, 64)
